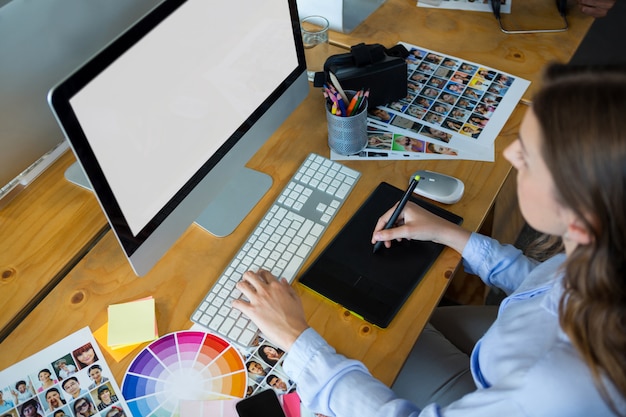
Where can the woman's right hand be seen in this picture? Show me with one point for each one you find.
(417, 223)
(273, 305)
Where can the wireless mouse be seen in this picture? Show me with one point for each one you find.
(439, 187)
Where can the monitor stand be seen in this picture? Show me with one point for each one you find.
(223, 214)
(226, 212)
(74, 174)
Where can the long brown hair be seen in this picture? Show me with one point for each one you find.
(582, 114)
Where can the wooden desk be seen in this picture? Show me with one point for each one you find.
(476, 36)
(44, 232)
(182, 277)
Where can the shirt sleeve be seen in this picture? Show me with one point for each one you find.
(498, 265)
(330, 384)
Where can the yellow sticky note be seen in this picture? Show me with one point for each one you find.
(131, 323)
(117, 354)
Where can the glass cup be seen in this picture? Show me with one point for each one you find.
(315, 39)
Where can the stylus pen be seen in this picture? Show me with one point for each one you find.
(399, 208)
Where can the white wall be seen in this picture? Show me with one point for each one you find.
(42, 41)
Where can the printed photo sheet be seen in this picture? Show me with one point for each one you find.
(454, 109)
(67, 379)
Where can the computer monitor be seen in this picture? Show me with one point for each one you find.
(164, 119)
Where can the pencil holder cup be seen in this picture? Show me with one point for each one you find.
(347, 135)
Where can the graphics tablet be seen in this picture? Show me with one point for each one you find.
(373, 285)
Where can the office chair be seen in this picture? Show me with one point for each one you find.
(560, 4)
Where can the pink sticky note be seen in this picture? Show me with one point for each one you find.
(291, 404)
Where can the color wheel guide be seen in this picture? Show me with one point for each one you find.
(181, 366)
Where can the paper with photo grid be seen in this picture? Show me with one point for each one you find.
(49, 359)
(266, 369)
(454, 109)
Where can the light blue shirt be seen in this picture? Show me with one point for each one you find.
(523, 366)
(6, 405)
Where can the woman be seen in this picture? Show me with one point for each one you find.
(441, 150)
(30, 408)
(270, 354)
(379, 141)
(85, 356)
(408, 144)
(45, 377)
(558, 345)
(95, 373)
(83, 407)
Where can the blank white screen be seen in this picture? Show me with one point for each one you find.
(158, 113)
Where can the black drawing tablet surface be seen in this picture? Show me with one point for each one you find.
(373, 285)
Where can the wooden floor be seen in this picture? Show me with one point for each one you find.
(504, 224)
(466, 289)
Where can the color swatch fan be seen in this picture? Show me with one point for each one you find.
(180, 366)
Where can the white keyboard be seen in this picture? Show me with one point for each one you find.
(281, 242)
